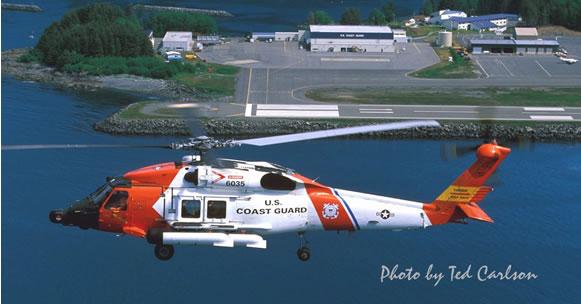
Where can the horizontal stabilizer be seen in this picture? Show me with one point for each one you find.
(474, 212)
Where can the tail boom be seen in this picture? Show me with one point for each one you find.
(460, 200)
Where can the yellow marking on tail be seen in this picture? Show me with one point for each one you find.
(458, 194)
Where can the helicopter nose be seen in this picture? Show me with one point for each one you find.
(56, 216)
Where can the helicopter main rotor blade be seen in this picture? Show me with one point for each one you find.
(274, 140)
(77, 146)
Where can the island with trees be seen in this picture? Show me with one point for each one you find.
(104, 39)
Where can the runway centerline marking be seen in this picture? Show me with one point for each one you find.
(376, 112)
(544, 109)
(543, 68)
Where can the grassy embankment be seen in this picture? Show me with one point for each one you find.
(422, 31)
(210, 78)
(460, 68)
(482, 96)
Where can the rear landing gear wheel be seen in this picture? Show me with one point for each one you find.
(304, 254)
(164, 252)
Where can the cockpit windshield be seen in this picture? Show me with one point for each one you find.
(100, 194)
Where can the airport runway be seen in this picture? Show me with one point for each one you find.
(372, 111)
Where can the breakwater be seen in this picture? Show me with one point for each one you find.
(210, 12)
(21, 7)
(244, 128)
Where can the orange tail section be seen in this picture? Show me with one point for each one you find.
(460, 200)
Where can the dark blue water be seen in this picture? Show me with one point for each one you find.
(536, 208)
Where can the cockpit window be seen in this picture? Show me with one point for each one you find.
(272, 181)
(100, 194)
(118, 200)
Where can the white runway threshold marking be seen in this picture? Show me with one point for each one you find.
(242, 61)
(343, 59)
(282, 110)
(543, 109)
(550, 117)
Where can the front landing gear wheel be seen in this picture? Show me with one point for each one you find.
(164, 252)
(304, 254)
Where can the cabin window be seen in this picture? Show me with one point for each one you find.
(273, 181)
(118, 200)
(216, 209)
(191, 208)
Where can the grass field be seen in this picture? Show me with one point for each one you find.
(423, 30)
(484, 96)
(210, 78)
(459, 69)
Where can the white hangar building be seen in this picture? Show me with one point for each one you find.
(350, 38)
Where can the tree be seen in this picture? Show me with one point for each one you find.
(376, 17)
(529, 11)
(351, 16)
(389, 11)
(93, 31)
(319, 17)
(447, 4)
(165, 21)
(427, 7)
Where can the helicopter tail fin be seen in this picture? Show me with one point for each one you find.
(460, 200)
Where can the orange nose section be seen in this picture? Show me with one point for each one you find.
(491, 151)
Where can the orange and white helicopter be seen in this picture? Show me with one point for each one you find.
(235, 203)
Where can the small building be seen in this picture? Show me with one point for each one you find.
(526, 33)
(440, 16)
(483, 26)
(286, 36)
(179, 41)
(350, 38)
(399, 36)
(500, 21)
(263, 36)
(512, 46)
(208, 40)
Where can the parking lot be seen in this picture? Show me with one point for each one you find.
(526, 67)
(288, 55)
(532, 66)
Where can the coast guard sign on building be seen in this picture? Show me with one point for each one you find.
(350, 38)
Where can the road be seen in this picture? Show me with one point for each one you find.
(373, 111)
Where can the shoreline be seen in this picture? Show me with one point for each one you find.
(130, 83)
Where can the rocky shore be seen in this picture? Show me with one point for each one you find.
(80, 81)
(243, 128)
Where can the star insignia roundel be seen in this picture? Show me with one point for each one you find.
(384, 214)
